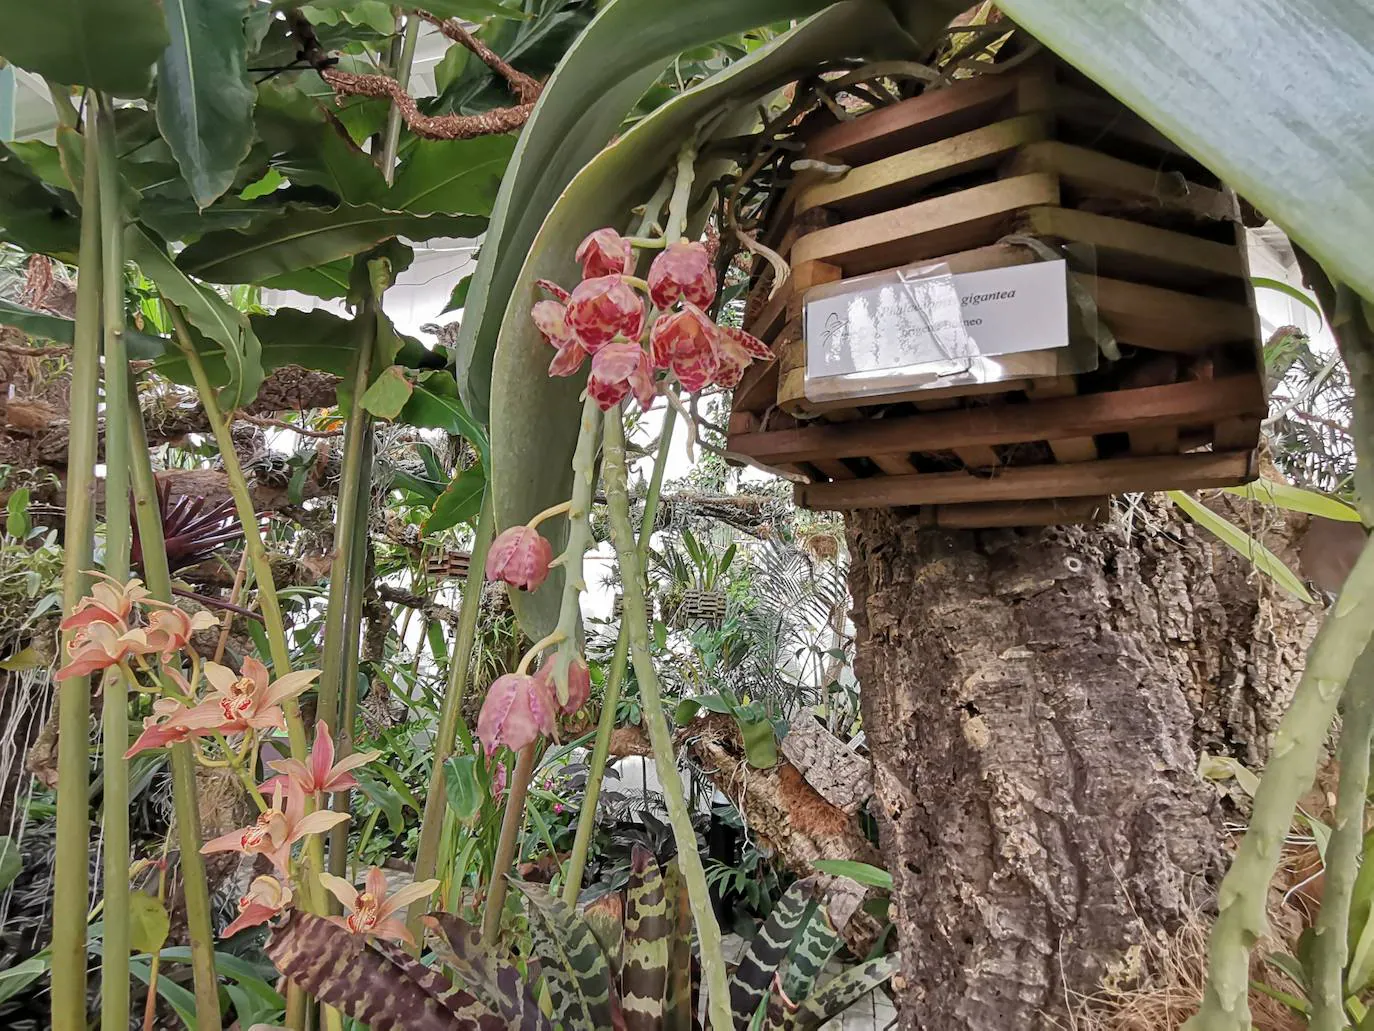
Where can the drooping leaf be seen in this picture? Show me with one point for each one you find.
(533, 415)
(606, 918)
(204, 99)
(813, 946)
(842, 991)
(470, 10)
(864, 873)
(606, 70)
(304, 237)
(312, 147)
(648, 932)
(1242, 543)
(460, 501)
(459, 297)
(15, 979)
(1292, 156)
(209, 313)
(1279, 286)
(109, 45)
(44, 326)
(381, 987)
(576, 974)
(148, 922)
(316, 340)
(388, 393)
(753, 978)
(329, 280)
(1296, 499)
(384, 798)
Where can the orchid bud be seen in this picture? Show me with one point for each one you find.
(618, 369)
(605, 253)
(682, 270)
(601, 309)
(735, 350)
(685, 341)
(518, 708)
(520, 557)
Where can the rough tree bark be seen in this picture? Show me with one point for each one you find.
(1036, 703)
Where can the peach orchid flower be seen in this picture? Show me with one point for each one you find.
(240, 704)
(164, 727)
(169, 630)
(371, 911)
(99, 645)
(265, 898)
(321, 773)
(277, 829)
(109, 602)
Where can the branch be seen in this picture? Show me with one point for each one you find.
(431, 127)
(525, 87)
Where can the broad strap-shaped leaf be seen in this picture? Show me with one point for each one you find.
(648, 934)
(753, 978)
(493, 979)
(815, 942)
(303, 237)
(434, 404)
(204, 98)
(1292, 154)
(1242, 543)
(606, 918)
(208, 312)
(108, 45)
(533, 415)
(450, 176)
(677, 1001)
(576, 974)
(601, 77)
(841, 992)
(62, 330)
(385, 989)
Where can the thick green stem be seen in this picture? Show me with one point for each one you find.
(183, 762)
(1329, 950)
(636, 617)
(71, 881)
(579, 540)
(615, 677)
(114, 722)
(511, 822)
(450, 709)
(393, 118)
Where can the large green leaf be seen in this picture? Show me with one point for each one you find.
(648, 938)
(762, 960)
(316, 340)
(460, 501)
(841, 992)
(532, 414)
(1298, 147)
(311, 147)
(62, 330)
(208, 312)
(615, 59)
(468, 10)
(204, 98)
(33, 215)
(451, 176)
(109, 45)
(1296, 499)
(434, 404)
(305, 237)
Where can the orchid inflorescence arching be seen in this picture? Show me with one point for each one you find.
(119, 626)
(630, 341)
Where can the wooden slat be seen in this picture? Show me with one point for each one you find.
(1106, 176)
(833, 468)
(1195, 471)
(892, 181)
(1167, 320)
(1065, 449)
(1051, 419)
(1048, 512)
(894, 465)
(934, 115)
(1141, 249)
(1234, 434)
(929, 228)
(757, 390)
(977, 456)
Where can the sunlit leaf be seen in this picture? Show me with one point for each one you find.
(864, 873)
(1243, 544)
(148, 922)
(388, 393)
(1296, 499)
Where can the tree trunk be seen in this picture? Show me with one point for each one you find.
(1036, 703)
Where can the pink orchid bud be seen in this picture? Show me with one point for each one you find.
(618, 369)
(579, 685)
(735, 350)
(603, 308)
(520, 557)
(518, 708)
(682, 270)
(553, 290)
(685, 341)
(605, 253)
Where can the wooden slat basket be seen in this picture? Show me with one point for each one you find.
(946, 177)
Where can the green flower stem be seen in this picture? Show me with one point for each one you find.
(579, 540)
(182, 759)
(615, 677)
(347, 574)
(450, 709)
(511, 822)
(71, 881)
(682, 191)
(114, 722)
(636, 617)
(393, 118)
(1330, 949)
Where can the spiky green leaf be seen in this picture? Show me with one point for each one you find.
(576, 974)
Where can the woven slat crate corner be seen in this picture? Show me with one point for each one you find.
(960, 176)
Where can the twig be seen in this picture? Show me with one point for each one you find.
(281, 424)
(431, 127)
(525, 87)
(25, 351)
